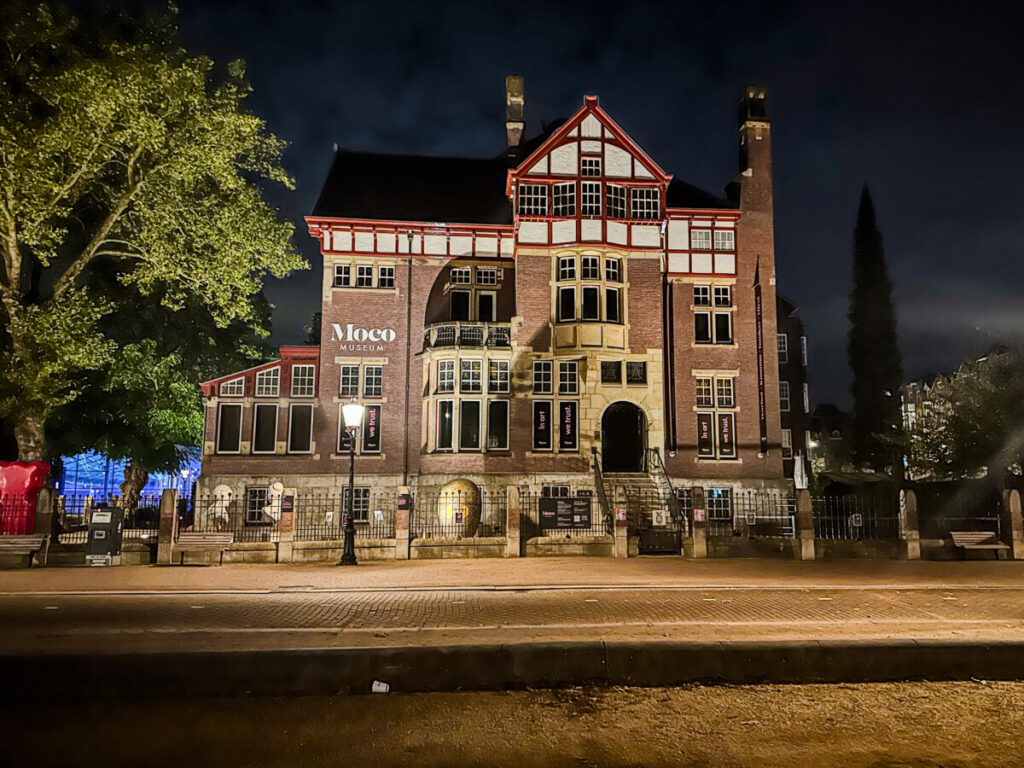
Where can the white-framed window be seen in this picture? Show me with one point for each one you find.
(469, 425)
(613, 305)
(564, 199)
(613, 270)
(386, 276)
(264, 428)
(702, 295)
(783, 348)
(567, 304)
(568, 377)
(364, 276)
(725, 395)
(498, 376)
(256, 499)
(590, 166)
(486, 276)
(360, 503)
(591, 198)
(445, 377)
(542, 377)
(700, 239)
(644, 203)
(723, 327)
(784, 396)
(567, 268)
(300, 428)
(712, 327)
(636, 372)
(590, 268)
(470, 376)
(723, 296)
(233, 388)
(533, 199)
(342, 275)
(705, 394)
(373, 381)
(615, 199)
(497, 425)
(445, 429)
(725, 240)
(349, 383)
(590, 302)
(787, 443)
(303, 380)
(461, 276)
(229, 427)
(268, 382)
(803, 351)
(807, 398)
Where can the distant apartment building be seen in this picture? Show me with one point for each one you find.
(794, 393)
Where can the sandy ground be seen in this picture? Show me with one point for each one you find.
(904, 724)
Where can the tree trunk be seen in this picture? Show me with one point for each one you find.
(29, 434)
(135, 479)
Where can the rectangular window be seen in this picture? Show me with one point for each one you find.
(702, 327)
(264, 429)
(700, 239)
(256, 500)
(567, 268)
(612, 305)
(386, 276)
(568, 425)
(542, 425)
(229, 428)
(268, 382)
(233, 388)
(723, 328)
(542, 377)
(364, 276)
(342, 275)
(591, 193)
(566, 304)
(497, 425)
(349, 381)
(723, 296)
(469, 425)
(702, 295)
(460, 305)
(807, 398)
(613, 270)
(371, 429)
(719, 501)
(787, 443)
(636, 373)
(590, 166)
(497, 376)
(564, 199)
(615, 199)
(803, 351)
(300, 428)
(533, 200)
(784, 395)
(705, 396)
(568, 378)
(590, 268)
(486, 276)
(644, 203)
(303, 380)
(360, 501)
(590, 307)
(611, 372)
(725, 393)
(485, 307)
(725, 240)
(445, 424)
(445, 377)
(373, 381)
(470, 376)
(783, 348)
(554, 491)
(461, 276)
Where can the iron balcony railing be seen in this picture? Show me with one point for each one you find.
(462, 334)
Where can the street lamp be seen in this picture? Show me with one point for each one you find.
(352, 414)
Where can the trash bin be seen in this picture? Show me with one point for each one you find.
(103, 547)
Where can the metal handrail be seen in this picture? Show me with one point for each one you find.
(602, 497)
(492, 334)
(662, 473)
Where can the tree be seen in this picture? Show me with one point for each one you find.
(120, 148)
(873, 351)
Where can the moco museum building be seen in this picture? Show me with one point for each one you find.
(514, 321)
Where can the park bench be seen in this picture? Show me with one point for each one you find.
(26, 545)
(201, 542)
(979, 540)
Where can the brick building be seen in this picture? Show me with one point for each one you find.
(794, 393)
(512, 320)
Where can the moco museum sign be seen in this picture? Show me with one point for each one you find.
(356, 339)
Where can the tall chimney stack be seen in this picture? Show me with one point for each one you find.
(514, 109)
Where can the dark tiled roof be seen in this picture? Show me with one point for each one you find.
(683, 195)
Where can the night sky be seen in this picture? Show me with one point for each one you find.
(921, 102)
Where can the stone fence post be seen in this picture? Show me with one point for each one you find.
(402, 508)
(286, 526)
(46, 521)
(699, 524)
(620, 528)
(910, 527)
(1012, 524)
(168, 530)
(513, 541)
(805, 524)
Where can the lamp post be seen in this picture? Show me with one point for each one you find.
(352, 414)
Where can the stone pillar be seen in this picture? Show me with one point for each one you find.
(620, 527)
(46, 521)
(286, 526)
(168, 530)
(87, 510)
(513, 541)
(910, 531)
(699, 525)
(805, 524)
(403, 506)
(1012, 524)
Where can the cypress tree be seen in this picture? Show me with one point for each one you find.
(873, 351)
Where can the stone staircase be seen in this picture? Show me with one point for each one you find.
(642, 492)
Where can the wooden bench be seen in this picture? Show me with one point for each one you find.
(979, 540)
(27, 544)
(202, 542)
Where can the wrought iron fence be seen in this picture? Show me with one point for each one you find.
(646, 508)
(855, 517)
(458, 514)
(321, 517)
(250, 519)
(73, 512)
(732, 512)
(574, 515)
(15, 514)
(467, 334)
(968, 506)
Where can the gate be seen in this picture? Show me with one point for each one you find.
(659, 531)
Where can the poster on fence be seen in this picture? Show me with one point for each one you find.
(563, 513)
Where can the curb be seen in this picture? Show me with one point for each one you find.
(488, 667)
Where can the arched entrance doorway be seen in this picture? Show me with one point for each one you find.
(623, 438)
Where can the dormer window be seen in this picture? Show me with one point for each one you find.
(644, 203)
(268, 382)
(565, 199)
(233, 388)
(533, 200)
(590, 166)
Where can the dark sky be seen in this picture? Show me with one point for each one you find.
(921, 102)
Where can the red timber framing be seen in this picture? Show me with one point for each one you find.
(403, 238)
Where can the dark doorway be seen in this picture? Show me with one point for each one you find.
(623, 438)
(460, 305)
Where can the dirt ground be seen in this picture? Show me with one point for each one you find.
(877, 725)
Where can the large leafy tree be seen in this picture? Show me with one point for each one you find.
(117, 146)
(873, 350)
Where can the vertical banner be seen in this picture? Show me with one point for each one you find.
(371, 429)
(705, 435)
(542, 425)
(344, 436)
(759, 322)
(726, 435)
(568, 437)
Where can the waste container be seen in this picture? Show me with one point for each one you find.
(103, 547)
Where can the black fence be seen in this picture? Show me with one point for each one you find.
(321, 517)
(570, 516)
(252, 518)
(648, 509)
(73, 514)
(756, 514)
(460, 514)
(856, 517)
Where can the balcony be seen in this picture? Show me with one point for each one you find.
(466, 334)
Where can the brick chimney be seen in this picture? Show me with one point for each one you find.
(514, 109)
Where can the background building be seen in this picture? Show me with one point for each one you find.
(794, 393)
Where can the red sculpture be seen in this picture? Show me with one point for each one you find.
(19, 484)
